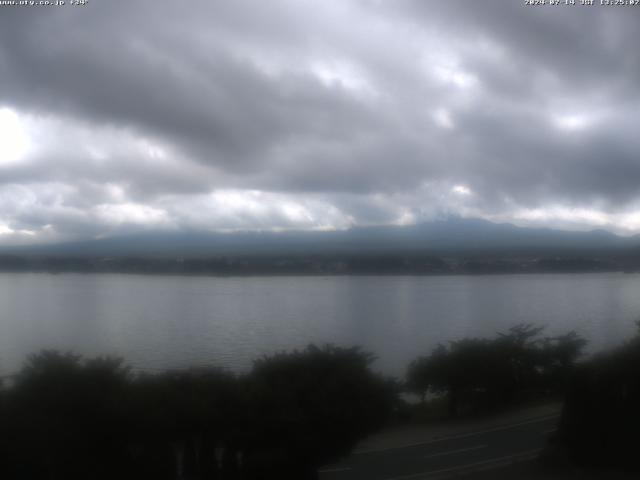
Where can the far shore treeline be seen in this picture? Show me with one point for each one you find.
(67, 417)
(381, 263)
(450, 245)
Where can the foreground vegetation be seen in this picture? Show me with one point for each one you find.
(68, 418)
(65, 417)
(601, 418)
(480, 374)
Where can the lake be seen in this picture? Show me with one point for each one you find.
(156, 322)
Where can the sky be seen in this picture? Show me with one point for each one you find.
(125, 116)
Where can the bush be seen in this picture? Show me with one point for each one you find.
(479, 374)
(601, 419)
(312, 406)
(70, 418)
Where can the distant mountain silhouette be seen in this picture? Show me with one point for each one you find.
(452, 236)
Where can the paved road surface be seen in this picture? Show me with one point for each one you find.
(448, 456)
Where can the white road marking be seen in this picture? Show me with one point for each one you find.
(334, 470)
(453, 452)
(483, 465)
(463, 435)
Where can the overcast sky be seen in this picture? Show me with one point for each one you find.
(122, 116)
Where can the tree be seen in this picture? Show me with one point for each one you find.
(600, 418)
(311, 407)
(182, 418)
(477, 373)
(65, 418)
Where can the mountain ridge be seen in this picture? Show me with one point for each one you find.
(442, 237)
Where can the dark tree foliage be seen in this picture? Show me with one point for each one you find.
(312, 406)
(181, 421)
(69, 418)
(479, 373)
(65, 417)
(600, 419)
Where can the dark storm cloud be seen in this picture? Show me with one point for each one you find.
(187, 86)
(291, 114)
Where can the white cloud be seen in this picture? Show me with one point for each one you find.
(455, 76)
(572, 122)
(243, 115)
(461, 190)
(442, 117)
(131, 214)
(254, 209)
(14, 140)
(342, 74)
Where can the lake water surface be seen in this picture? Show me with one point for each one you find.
(156, 322)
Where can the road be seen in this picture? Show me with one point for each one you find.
(448, 456)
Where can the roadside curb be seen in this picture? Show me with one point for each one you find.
(452, 436)
(469, 469)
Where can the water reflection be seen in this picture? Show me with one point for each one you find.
(158, 322)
